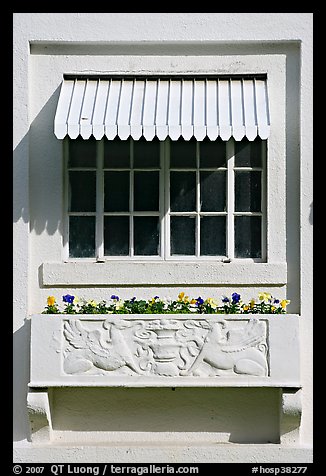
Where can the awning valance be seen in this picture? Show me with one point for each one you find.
(163, 107)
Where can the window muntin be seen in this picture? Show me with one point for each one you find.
(167, 200)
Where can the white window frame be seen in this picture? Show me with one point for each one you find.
(85, 272)
(164, 212)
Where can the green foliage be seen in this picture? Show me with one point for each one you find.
(266, 304)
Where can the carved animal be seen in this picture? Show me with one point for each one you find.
(233, 350)
(104, 350)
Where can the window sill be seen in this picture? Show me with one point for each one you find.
(116, 273)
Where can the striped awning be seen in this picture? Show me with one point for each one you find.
(163, 107)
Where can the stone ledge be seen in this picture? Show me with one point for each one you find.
(117, 273)
(128, 453)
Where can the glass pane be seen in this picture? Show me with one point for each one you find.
(248, 191)
(82, 153)
(81, 237)
(116, 191)
(183, 191)
(213, 153)
(213, 236)
(248, 237)
(213, 191)
(82, 191)
(146, 153)
(117, 154)
(183, 231)
(248, 154)
(146, 191)
(116, 236)
(183, 153)
(146, 236)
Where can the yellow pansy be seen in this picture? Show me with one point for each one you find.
(212, 302)
(92, 303)
(183, 298)
(284, 303)
(51, 301)
(119, 305)
(193, 301)
(252, 303)
(245, 307)
(264, 296)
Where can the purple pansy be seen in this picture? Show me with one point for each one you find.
(235, 298)
(68, 298)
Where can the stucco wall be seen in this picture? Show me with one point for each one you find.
(45, 47)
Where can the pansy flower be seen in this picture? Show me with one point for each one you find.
(235, 298)
(51, 300)
(68, 298)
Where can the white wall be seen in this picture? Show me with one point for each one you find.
(48, 45)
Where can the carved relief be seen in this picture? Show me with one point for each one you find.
(166, 347)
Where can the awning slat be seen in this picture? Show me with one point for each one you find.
(224, 108)
(212, 110)
(262, 109)
(199, 110)
(100, 109)
(249, 109)
(187, 129)
(75, 109)
(87, 110)
(163, 107)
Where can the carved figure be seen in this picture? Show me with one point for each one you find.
(242, 350)
(96, 348)
(166, 348)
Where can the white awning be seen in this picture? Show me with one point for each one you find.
(186, 107)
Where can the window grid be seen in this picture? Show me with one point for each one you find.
(132, 213)
(164, 204)
(198, 213)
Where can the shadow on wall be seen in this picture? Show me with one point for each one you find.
(38, 159)
(21, 358)
(248, 415)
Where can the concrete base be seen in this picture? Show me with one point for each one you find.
(25, 452)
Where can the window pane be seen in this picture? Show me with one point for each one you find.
(247, 191)
(81, 237)
(146, 153)
(116, 191)
(116, 154)
(82, 153)
(82, 191)
(248, 154)
(146, 191)
(213, 236)
(213, 191)
(248, 237)
(183, 231)
(146, 236)
(213, 153)
(116, 236)
(183, 154)
(183, 191)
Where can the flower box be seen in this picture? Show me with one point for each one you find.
(159, 350)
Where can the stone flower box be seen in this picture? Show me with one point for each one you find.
(164, 350)
(161, 350)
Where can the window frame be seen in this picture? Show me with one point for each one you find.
(164, 212)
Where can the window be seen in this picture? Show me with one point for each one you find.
(166, 200)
